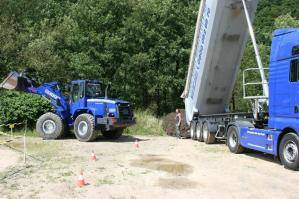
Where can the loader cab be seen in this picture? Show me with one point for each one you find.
(86, 89)
(81, 90)
(284, 79)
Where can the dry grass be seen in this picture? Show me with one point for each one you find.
(147, 124)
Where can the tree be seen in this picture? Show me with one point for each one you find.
(141, 46)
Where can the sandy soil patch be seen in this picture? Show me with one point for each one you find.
(8, 158)
(162, 167)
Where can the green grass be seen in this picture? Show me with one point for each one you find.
(29, 133)
(146, 124)
(20, 132)
(104, 181)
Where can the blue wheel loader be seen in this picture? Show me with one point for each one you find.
(87, 109)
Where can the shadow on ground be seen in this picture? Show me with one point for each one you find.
(122, 139)
(262, 156)
(253, 153)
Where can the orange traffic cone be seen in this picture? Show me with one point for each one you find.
(136, 144)
(81, 182)
(93, 156)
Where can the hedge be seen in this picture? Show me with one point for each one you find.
(18, 107)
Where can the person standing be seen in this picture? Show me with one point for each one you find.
(178, 121)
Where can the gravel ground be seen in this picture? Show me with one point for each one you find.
(162, 167)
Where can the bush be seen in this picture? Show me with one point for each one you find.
(18, 107)
(147, 124)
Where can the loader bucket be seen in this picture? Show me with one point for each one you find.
(14, 81)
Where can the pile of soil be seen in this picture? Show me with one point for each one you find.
(168, 124)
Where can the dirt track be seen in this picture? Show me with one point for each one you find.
(163, 167)
(7, 158)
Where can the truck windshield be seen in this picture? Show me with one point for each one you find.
(94, 90)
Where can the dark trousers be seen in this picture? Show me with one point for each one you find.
(177, 131)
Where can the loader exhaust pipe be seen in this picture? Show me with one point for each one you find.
(15, 81)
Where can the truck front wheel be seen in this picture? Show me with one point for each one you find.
(113, 135)
(288, 151)
(208, 136)
(233, 140)
(50, 126)
(84, 128)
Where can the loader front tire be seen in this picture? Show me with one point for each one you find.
(50, 126)
(84, 128)
(113, 135)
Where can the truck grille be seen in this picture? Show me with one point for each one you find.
(125, 112)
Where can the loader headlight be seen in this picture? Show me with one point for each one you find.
(111, 115)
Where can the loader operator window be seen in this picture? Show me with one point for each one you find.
(294, 71)
(77, 92)
(93, 90)
(295, 50)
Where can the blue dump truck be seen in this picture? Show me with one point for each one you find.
(87, 109)
(272, 126)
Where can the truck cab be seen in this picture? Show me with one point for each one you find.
(280, 136)
(284, 80)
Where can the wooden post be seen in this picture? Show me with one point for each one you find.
(24, 139)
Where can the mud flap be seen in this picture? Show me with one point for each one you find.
(14, 81)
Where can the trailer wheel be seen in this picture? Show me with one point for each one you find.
(233, 140)
(84, 128)
(192, 130)
(208, 136)
(113, 135)
(50, 126)
(199, 135)
(289, 151)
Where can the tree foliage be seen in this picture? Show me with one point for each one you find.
(141, 46)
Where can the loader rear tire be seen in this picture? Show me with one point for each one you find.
(113, 135)
(84, 128)
(50, 126)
